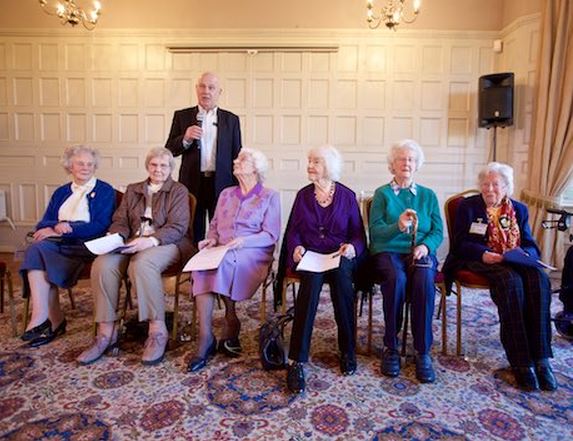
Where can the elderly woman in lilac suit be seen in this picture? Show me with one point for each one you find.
(247, 219)
(325, 218)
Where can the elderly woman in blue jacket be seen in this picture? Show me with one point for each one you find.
(487, 226)
(78, 211)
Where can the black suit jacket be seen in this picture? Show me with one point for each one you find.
(228, 146)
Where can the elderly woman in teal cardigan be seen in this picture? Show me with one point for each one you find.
(395, 208)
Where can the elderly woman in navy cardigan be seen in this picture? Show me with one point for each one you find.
(487, 226)
(78, 211)
(325, 218)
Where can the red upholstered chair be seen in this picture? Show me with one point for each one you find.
(462, 278)
(175, 270)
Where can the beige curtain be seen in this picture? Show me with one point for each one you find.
(551, 149)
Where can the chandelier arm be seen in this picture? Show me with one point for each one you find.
(69, 13)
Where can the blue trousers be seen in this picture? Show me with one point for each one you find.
(392, 271)
(342, 296)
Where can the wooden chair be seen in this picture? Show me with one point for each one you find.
(292, 279)
(462, 278)
(439, 283)
(84, 275)
(6, 281)
(175, 270)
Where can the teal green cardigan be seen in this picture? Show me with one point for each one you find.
(385, 211)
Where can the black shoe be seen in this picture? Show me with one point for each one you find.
(545, 376)
(347, 364)
(525, 378)
(49, 335)
(390, 363)
(295, 378)
(37, 331)
(231, 347)
(424, 369)
(198, 363)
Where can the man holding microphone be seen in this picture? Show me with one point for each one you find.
(209, 139)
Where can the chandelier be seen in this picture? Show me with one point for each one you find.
(70, 13)
(392, 13)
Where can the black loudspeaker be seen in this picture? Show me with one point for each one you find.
(496, 100)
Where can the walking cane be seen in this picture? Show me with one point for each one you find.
(409, 282)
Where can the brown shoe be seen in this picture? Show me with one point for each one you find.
(100, 346)
(154, 349)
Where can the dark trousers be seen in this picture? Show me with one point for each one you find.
(393, 272)
(342, 296)
(206, 201)
(523, 298)
(566, 294)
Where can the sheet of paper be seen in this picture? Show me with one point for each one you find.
(318, 263)
(206, 259)
(105, 244)
(518, 256)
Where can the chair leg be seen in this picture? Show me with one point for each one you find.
(443, 304)
(263, 306)
(12, 304)
(71, 297)
(356, 320)
(405, 330)
(439, 313)
(459, 320)
(370, 328)
(284, 296)
(2, 275)
(176, 308)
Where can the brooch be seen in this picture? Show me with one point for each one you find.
(504, 222)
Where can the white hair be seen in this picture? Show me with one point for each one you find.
(156, 152)
(70, 152)
(260, 162)
(504, 171)
(332, 160)
(400, 146)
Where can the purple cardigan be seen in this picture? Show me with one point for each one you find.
(323, 230)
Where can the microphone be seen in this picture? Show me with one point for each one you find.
(200, 118)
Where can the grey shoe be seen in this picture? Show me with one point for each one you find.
(154, 349)
(100, 346)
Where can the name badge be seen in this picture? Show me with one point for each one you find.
(478, 228)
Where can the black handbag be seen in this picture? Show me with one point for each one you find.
(272, 348)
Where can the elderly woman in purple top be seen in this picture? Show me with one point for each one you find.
(325, 218)
(247, 219)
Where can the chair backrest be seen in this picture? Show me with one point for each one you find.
(118, 197)
(451, 208)
(192, 208)
(366, 206)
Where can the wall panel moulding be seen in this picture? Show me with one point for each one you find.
(251, 49)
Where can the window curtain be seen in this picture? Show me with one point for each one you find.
(551, 149)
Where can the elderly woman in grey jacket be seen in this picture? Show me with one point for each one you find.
(153, 219)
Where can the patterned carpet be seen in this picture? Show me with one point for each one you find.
(45, 395)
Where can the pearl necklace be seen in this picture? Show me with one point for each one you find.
(328, 199)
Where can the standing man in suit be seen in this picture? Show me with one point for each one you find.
(209, 139)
